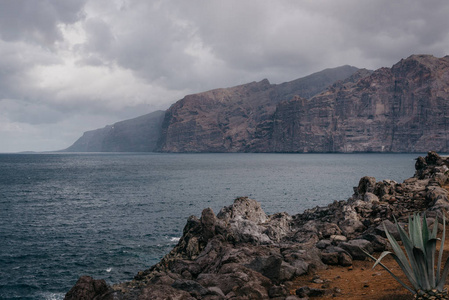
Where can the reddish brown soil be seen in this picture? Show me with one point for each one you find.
(360, 281)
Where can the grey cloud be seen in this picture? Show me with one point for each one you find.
(134, 56)
(37, 20)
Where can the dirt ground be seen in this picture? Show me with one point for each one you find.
(360, 281)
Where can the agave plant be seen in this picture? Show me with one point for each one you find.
(419, 268)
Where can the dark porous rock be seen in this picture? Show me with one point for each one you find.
(232, 277)
(350, 227)
(87, 288)
(306, 291)
(330, 258)
(191, 286)
(208, 221)
(333, 254)
(244, 208)
(269, 266)
(366, 185)
(323, 244)
(378, 242)
(304, 258)
(391, 227)
(354, 248)
(370, 197)
(327, 229)
(438, 197)
(162, 292)
(215, 291)
(433, 158)
(278, 291)
(278, 226)
(344, 259)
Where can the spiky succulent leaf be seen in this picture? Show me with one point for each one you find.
(425, 232)
(409, 265)
(430, 261)
(417, 232)
(442, 281)
(422, 276)
(377, 262)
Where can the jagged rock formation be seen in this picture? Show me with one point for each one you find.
(398, 109)
(140, 134)
(229, 120)
(242, 253)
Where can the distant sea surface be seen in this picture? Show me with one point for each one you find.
(110, 215)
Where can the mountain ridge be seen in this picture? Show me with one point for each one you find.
(102, 139)
(399, 109)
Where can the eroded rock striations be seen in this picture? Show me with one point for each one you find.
(233, 119)
(399, 109)
(242, 253)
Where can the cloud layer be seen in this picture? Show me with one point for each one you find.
(75, 65)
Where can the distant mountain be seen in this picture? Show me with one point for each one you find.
(404, 108)
(230, 119)
(140, 134)
(218, 120)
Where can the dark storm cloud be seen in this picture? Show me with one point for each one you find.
(36, 20)
(80, 65)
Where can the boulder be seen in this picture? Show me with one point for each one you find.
(190, 286)
(163, 292)
(87, 288)
(366, 185)
(390, 226)
(354, 248)
(245, 208)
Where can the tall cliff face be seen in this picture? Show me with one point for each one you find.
(404, 108)
(234, 119)
(140, 134)
(400, 109)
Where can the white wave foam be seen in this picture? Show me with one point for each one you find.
(108, 270)
(53, 296)
(175, 239)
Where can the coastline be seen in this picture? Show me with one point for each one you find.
(242, 253)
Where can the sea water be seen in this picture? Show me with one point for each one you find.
(110, 215)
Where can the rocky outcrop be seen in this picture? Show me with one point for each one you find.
(140, 134)
(242, 253)
(398, 109)
(231, 119)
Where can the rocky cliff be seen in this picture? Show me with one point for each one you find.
(140, 134)
(227, 120)
(400, 109)
(404, 108)
(243, 253)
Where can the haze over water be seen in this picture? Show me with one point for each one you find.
(110, 215)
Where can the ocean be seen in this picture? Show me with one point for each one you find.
(110, 215)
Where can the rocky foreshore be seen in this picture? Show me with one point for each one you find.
(243, 253)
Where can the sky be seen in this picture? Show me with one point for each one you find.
(76, 65)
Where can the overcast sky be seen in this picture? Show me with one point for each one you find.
(68, 66)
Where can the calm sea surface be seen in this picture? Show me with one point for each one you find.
(111, 215)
